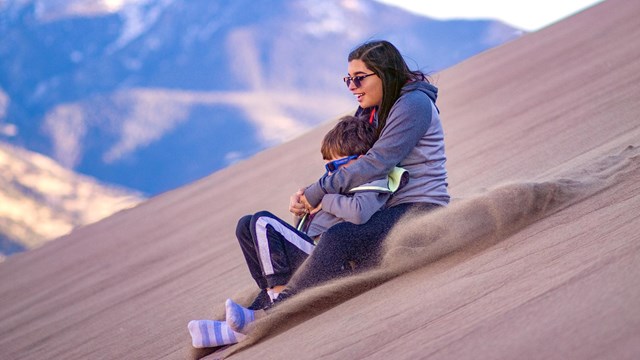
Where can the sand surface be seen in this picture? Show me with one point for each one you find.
(538, 256)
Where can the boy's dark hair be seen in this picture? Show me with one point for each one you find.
(350, 136)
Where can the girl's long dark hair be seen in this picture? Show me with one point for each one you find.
(385, 60)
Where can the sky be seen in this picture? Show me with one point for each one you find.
(529, 15)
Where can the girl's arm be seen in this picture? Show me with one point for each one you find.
(356, 209)
(408, 121)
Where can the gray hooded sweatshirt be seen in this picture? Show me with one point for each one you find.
(412, 139)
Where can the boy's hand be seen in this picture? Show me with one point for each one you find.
(318, 208)
(307, 207)
(296, 207)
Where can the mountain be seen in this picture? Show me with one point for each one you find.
(112, 90)
(40, 200)
(153, 94)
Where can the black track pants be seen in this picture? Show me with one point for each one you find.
(272, 248)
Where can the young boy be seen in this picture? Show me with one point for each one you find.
(274, 250)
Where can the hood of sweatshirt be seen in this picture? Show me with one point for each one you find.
(430, 90)
(425, 87)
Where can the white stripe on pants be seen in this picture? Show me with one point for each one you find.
(263, 243)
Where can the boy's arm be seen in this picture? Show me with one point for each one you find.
(356, 209)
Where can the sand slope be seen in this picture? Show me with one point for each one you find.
(538, 256)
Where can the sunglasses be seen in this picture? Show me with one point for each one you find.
(357, 80)
(332, 166)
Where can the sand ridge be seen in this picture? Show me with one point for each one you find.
(480, 222)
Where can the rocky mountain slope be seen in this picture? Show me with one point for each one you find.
(40, 200)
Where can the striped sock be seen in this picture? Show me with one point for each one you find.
(238, 317)
(211, 333)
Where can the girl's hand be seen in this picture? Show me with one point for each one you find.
(296, 207)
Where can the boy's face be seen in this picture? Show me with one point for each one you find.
(339, 161)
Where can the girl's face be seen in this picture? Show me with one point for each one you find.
(369, 93)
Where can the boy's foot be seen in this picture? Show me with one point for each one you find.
(239, 317)
(261, 301)
(282, 296)
(211, 333)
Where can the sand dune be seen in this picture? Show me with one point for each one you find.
(537, 257)
(482, 222)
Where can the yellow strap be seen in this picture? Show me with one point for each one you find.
(394, 180)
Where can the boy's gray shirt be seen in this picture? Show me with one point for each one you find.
(412, 139)
(337, 208)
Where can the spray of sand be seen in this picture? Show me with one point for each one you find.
(464, 228)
